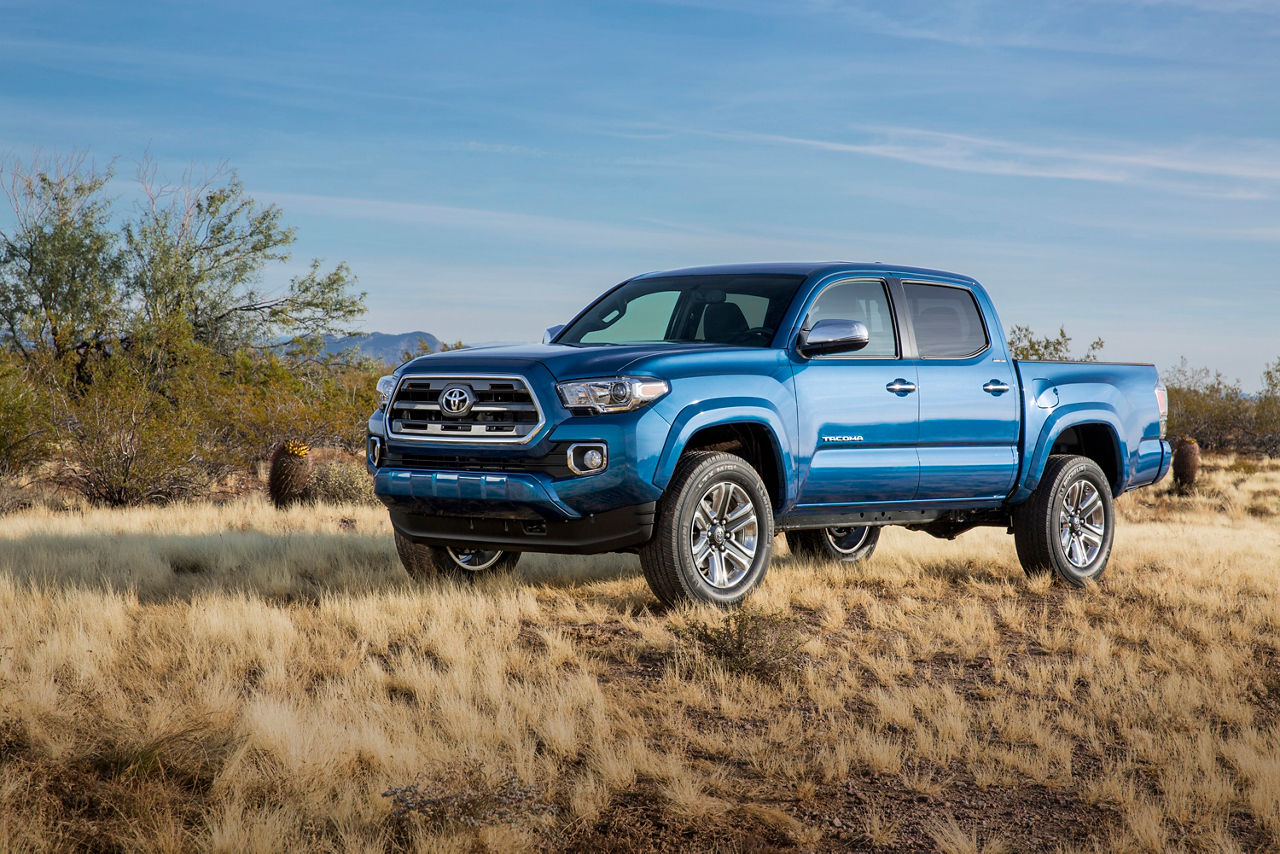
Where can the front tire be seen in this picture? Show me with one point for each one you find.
(845, 545)
(1067, 525)
(713, 534)
(425, 562)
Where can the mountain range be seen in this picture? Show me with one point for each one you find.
(383, 346)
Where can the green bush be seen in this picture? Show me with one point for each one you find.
(123, 442)
(24, 420)
(1219, 414)
(341, 483)
(749, 642)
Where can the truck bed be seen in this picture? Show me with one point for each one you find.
(1058, 395)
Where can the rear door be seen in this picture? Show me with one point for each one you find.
(969, 418)
(857, 411)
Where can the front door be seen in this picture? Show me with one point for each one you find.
(969, 401)
(858, 411)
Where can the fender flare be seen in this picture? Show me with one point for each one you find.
(720, 412)
(1059, 422)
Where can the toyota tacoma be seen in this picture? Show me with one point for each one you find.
(692, 415)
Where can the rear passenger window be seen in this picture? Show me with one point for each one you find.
(859, 300)
(947, 321)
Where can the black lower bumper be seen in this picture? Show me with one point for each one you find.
(612, 531)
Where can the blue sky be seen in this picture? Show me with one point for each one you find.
(486, 168)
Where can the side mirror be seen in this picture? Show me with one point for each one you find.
(551, 333)
(833, 336)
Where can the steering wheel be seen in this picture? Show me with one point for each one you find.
(757, 336)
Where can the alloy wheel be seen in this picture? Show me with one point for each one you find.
(724, 534)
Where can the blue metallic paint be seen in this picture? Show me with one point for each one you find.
(962, 449)
(1121, 397)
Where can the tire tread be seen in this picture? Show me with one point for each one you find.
(660, 556)
(812, 544)
(1034, 525)
(424, 563)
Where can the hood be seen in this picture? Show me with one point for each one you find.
(563, 361)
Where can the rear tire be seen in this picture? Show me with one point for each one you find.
(845, 545)
(425, 562)
(1067, 525)
(713, 534)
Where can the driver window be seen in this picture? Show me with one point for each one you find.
(753, 310)
(859, 300)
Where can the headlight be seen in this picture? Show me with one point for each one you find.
(619, 394)
(386, 385)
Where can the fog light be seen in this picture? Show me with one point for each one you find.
(588, 458)
(373, 450)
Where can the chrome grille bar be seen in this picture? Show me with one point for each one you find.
(504, 409)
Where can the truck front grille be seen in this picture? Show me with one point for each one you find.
(472, 408)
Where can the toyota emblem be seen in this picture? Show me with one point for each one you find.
(457, 400)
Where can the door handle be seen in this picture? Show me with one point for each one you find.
(995, 387)
(901, 387)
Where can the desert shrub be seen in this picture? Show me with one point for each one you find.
(1026, 345)
(750, 642)
(122, 441)
(24, 420)
(164, 360)
(463, 795)
(290, 473)
(1219, 414)
(320, 403)
(341, 482)
(1244, 465)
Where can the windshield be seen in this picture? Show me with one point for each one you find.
(741, 310)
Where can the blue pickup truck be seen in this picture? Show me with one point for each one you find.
(691, 415)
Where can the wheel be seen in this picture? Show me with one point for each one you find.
(1067, 524)
(847, 545)
(713, 533)
(423, 562)
(470, 564)
(416, 558)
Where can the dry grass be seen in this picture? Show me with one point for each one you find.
(235, 678)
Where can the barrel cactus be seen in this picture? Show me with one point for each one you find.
(1186, 464)
(290, 473)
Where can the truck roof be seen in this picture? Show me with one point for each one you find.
(807, 268)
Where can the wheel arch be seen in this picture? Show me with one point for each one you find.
(749, 433)
(1097, 441)
(1090, 435)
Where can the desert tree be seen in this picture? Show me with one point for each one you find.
(146, 333)
(60, 261)
(1025, 344)
(196, 253)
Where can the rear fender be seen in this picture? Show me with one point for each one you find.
(1058, 422)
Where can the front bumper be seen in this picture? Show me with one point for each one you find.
(525, 496)
(516, 511)
(611, 531)
(464, 493)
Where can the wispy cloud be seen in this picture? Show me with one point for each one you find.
(1217, 7)
(501, 148)
(1016, 25)
(1235, 174)
(546, 229)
